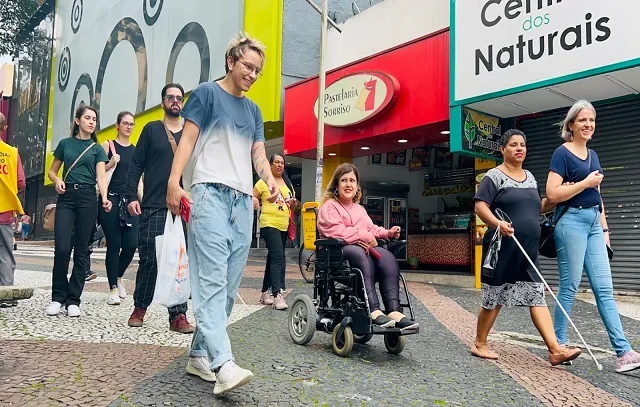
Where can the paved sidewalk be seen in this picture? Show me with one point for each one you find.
(98, 360)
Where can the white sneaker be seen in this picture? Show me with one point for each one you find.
(231, 376)
(54, 308)
(199, 366)
(73, 311)
(122, 293)
(114, 298)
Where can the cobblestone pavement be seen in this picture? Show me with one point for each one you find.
(98, 360)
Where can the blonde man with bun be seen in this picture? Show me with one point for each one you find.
(223, 134)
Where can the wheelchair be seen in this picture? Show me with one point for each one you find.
(339, 305)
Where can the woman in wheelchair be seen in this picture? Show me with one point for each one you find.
(342, 217)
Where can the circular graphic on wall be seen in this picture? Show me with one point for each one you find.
(152, 9)
(76, 15)
(64, 69)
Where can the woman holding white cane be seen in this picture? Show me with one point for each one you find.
(581, 233)
(507, 277)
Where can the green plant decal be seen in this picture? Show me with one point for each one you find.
(469, 129)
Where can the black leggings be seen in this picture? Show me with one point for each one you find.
(276, 262)
(384, 271)
(76, 208)
(121, 241)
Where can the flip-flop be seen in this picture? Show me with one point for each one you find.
(486, 355)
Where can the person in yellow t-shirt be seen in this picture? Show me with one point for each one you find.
(274, 223)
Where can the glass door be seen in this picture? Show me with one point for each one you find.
(397, 215)
(376, 210)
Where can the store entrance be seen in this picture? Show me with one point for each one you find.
(428, 192)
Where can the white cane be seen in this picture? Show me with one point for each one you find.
(598, 365)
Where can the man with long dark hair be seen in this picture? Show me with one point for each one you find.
(153, 157)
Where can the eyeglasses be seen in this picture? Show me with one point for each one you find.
(127, 124)
(170, 98)
(249, 68)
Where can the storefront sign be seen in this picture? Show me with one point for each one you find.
(357, 97)
(506, 44)
(480, 135)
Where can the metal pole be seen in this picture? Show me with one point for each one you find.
(322, 78)
(316, 8)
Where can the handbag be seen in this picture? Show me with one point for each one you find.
(547, 241)
(291, 231)
(547, 246)
(48, 219)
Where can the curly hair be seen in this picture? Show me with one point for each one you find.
(331, 192)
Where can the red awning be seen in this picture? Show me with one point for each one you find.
(417, 73)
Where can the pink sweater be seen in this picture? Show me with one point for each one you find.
(349, 222)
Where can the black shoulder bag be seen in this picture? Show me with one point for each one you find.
(547, 241)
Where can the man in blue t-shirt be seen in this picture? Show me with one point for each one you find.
(223, 133)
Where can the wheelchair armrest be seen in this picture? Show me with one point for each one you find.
(382, 242)
(329, 242)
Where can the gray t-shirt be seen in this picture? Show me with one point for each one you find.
(229, 126)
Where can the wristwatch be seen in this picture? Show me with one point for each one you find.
(606, 230)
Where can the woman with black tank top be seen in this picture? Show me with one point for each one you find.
(120, 228)
(582, 233)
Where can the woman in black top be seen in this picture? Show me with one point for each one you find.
(582, 233)
(511, 280)
(120, 228)
(84, 163)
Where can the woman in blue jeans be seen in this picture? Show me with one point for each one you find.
(582, 234)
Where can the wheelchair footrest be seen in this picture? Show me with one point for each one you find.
(406, 331)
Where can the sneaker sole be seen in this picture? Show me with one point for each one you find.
(220, 388)
(208, 377)
(134, 324)
(113, 303)
(628, 368)
(91, 277)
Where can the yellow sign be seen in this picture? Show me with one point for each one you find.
(309, 221)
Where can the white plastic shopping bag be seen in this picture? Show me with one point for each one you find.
(173, 286)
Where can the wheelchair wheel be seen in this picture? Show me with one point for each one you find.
(302, 319)
(394, 343)
(362, 339)
(342, 346)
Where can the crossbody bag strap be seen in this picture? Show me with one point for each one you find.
(76, 161)
(172, 140)
(564, 210)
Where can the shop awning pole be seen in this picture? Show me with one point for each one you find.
(322, 77)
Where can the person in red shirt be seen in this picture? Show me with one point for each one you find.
(7, 195)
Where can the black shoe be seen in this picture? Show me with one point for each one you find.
(90, 276)
(384, 321)
(15, 247)
(405, 323)
(8, 304)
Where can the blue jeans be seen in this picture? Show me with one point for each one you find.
(580, 245)
(219, 232)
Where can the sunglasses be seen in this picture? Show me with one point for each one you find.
(171, 98)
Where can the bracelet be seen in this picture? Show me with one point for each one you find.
(606, 231)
